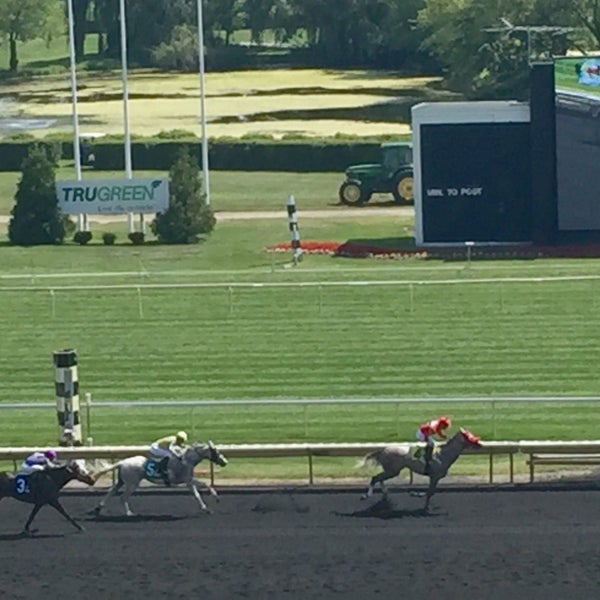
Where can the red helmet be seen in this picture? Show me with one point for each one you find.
(50, 454)
(445, 421)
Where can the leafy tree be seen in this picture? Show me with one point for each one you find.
(35, 218)
(188, 216)
(22, 20)
(180, 52)
(258, 17)
(476, 60)
(80, 15)
(586, 14)
(225, 15)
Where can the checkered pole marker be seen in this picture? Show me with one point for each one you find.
(294, 230)
(67, 397)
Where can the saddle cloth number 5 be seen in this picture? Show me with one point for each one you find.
(151, 469)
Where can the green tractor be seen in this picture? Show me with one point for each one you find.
(394, 175)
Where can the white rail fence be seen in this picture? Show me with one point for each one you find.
(569, 452)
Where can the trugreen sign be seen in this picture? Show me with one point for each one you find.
(113, 196)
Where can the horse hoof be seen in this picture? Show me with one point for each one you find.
(131, 514)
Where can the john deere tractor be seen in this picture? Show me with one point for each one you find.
(394, 175)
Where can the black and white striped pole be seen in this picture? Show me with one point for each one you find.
(66, 386)
(294, 229)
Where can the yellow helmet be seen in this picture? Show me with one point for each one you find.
(181, 436)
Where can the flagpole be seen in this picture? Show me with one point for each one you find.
(205, 172)
(82, 223)
(127, 147)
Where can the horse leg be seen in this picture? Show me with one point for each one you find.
(194, 490)
(129, 490)
(379, 479)
(113, 490)
(430, 493)
(206, 486)
(56, 505)
(34, 512)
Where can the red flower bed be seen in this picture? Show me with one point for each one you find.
(348, 249)
(352, 249)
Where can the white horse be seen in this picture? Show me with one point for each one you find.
(132, 470)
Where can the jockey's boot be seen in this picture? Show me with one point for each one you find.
(428, 456)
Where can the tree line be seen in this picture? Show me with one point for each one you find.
(419, 36)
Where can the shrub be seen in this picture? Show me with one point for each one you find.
(108, 238)
(188, 215)
(69, 225)
(82, 237)
(36, 219)
(176, 134)
(136, 237)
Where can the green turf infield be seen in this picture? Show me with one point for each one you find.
(227, 320)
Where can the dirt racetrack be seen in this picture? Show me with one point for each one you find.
(270, 545)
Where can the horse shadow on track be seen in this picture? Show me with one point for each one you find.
(384, 509)
(11, 537)
(283, 501)
(134, 519)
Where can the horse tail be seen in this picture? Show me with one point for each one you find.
(370, 459)
(98, 474)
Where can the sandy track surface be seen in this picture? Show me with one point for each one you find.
(288, 544)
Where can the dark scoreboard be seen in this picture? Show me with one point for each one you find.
(475, 182)
(472, 172)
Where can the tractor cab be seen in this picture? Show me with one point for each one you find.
(392, 175)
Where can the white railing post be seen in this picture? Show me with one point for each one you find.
(88, 419)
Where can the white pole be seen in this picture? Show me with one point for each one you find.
(205, 172)
(81, 219)
(128, 170)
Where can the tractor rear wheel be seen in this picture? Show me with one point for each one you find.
(403, 188)
(352, 194)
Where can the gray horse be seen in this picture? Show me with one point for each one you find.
(395, 458)
(132, 470)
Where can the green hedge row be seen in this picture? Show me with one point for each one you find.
(224, 155)
(13, 153)
(241, 156)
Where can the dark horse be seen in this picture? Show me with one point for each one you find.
(42, 487)
(395, 458)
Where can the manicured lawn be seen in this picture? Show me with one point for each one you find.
(230, 190)
(225, 319)
(237, 103)
(355, 329)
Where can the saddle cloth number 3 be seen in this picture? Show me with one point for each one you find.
(22, 485)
